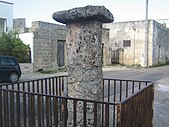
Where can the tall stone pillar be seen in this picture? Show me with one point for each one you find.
(84, 56)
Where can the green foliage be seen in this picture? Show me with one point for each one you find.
(167, 61)
(12, 45)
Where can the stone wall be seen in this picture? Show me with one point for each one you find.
(26, 67)
(46, 36)
(134, 31)
(161, 43)
(45, 40)
(19, 25)
(164, 22)
(106, 47)
(128, 31)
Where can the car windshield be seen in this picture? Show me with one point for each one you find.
(8, 61)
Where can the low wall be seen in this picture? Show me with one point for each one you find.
(26, 67)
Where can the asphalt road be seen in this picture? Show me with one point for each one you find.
(160, 75)
(152, 74)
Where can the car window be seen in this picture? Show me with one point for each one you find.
(12, 61)
(7, 61)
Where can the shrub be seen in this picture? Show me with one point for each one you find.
(12, 45)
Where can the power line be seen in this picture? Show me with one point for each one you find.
(154, 6)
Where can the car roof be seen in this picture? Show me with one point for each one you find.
(8, 56)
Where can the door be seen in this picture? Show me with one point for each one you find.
(114, 57)
(61, 53)
(117, 56)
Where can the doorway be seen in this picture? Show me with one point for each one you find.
(61, 53)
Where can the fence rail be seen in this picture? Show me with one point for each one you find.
(43, 103)
(52, 86)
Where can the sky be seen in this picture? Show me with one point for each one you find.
(122, 10)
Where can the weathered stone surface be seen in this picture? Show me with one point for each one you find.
(158, 42)
(89, 13)
(45, 41)
(84, 64)
(84, 59)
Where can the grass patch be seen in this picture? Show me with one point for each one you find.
(52, 71)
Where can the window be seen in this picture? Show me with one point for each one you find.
(126, 43)
(7, 61)
(12, 61)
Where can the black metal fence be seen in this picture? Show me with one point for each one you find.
(43, 103)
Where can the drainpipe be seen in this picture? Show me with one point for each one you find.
(134, 30)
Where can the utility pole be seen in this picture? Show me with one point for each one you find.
(146, 37)
(147, 9)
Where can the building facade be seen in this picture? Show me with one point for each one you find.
(122, 43)
(48, 45)
(164, 22)
(6, 16)
(19, 25)
(127, 40)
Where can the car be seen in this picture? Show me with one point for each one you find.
(9, 69)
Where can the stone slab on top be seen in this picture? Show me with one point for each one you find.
(88, 13)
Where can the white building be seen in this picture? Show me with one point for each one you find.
(6, 16)
(127, 40)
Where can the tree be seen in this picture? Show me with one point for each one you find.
(12, 45)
